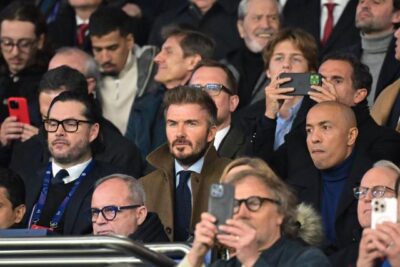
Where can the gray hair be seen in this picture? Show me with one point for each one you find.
(136, 190)
(389, 165)
(244, 4)
(91, 67)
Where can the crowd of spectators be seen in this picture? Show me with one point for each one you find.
(117, 117)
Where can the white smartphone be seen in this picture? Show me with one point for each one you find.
(383, 210)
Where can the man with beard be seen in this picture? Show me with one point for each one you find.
(186, 167)
(377, 46)
(58, 196)
(127, 69)
(258, 22)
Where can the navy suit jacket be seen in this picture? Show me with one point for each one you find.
(76, 217)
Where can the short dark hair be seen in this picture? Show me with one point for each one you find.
(230, 78)
(108, 19)
(24, 11)
(63, 78)
(91, 112)
(192, 42)
(304, 41)
(361, 77)
(189, 95)
(14, 186)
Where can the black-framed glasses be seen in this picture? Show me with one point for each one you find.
(213, 89)
(377, 191)
(110, 212)
(69, 125)
(253, 203)
(24, 44)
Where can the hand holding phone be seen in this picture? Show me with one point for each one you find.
(220, 202)
(383, 210)
(301, 82)
(18, 107)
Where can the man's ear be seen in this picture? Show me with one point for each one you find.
(141, 214)
(41, 40)
(360, 95)
(19, 213)
(239, 26)
(352, 136)
(130, 41)
(94, 132)
(233, 102)
(212, 131)
(193, 61)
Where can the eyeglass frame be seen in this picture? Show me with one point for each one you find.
(46, 121)
(238, 203)
(372, 190)
(17, 44)
(116, 209)
(219, 90)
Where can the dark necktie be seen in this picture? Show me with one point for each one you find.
(81, 33)
(61, 174)
(183, 207)
(329, 22)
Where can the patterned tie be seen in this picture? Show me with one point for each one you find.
(183, 207)
(58, 179)
(81, 33)
(329, 23)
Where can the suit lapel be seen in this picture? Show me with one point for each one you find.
(232, 142)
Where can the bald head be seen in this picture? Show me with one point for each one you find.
(331, 134)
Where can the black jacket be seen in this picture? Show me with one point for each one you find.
(150, 231)
(76, 219)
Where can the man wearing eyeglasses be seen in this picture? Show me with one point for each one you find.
(118, 209)
(22, 63)
(58, 196)
(381, 243)
(218, 81)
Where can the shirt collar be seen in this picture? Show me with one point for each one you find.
(196, 167)
(74, 171)
(80, 21)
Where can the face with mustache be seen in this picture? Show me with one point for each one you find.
(260, 24)
(188, 132)
(69, 149)
(15, 31)
(111, 51)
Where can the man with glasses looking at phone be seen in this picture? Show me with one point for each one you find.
(118, 209)
(380, 244)
(22, 63)
(58, 197)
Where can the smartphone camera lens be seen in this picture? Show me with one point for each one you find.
(14, 105)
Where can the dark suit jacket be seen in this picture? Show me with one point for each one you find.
(305, 14)
(390, 70)
(219, 23)
(62, 31)
(28, 156)
(76, 216)
(234, 143)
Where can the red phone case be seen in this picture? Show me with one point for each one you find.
(18, 107)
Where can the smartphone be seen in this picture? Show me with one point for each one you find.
(301, 82)
(383, 210)
(18, 107)
(220, 202)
